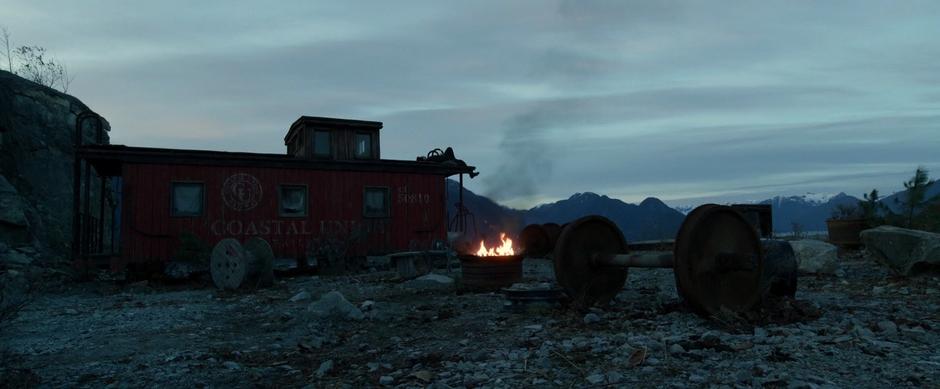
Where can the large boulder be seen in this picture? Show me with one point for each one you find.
(335, 305)
(815, 256)
(37, 124)
(905, 251)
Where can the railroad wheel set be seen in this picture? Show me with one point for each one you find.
(719, 261)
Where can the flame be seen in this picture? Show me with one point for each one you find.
(503, 249)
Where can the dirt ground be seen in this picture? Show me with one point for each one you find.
(865, 328)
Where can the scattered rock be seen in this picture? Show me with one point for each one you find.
(386, 380)
(430, 281)
(367, 305)
(325, 368)
(334, 304)
(815, 256)
(424, 375)
(300, 296)
(711, 338)
(676, 349)
(863, 332)
(905, 251)
(759, 332)
(231, 365)
(888, 328)
(592, 318)
(596, 378)
(614, 377)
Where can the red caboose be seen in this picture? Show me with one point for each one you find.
(331, 191)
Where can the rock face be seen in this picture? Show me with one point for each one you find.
(815, 256)
(14, 229)
(36, 152)
(905, 251)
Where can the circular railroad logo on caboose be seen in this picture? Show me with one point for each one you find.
(241, 192)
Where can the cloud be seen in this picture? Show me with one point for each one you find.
(630, 98)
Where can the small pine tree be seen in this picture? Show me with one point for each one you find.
(915, 193)
(872, 209)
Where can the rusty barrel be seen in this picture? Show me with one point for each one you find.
(536, 242)
(554, 231)
(846, 232)
(490, 272)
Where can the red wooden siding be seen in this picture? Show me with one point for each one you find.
(334, 208)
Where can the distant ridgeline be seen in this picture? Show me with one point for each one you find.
(651, 219)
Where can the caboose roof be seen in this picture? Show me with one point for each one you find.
(330, 123)
(108, 160)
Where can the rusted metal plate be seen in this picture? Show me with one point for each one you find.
(846, 233)
(581, 239)
(490, 272)
(535, 241)
(718, 261)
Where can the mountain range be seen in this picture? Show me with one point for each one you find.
(806, 211)
(651, 219)
(810, 211)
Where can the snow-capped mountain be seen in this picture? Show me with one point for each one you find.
(810, 211)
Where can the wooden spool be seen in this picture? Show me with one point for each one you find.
(233, 266)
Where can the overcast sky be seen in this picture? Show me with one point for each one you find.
(687, 101)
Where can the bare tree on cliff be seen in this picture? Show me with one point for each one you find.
(7, 44)
(34, 63)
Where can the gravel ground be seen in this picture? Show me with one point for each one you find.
(864, 328)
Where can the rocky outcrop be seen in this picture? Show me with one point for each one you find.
(36, 155)
(816, 256)
(905, 251)
(14, 228)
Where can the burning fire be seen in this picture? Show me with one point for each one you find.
(503, 249)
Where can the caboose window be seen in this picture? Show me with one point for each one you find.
(187, 198)
(363, 145)
(375, 202)
(293, 200)
(321, 143)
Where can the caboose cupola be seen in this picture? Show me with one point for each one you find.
(312, 137)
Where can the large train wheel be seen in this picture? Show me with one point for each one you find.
(718, 261)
